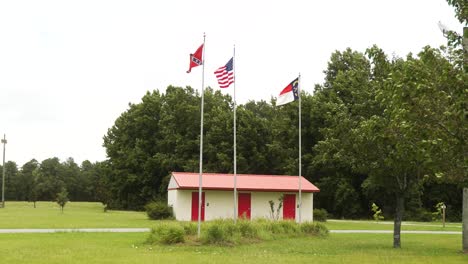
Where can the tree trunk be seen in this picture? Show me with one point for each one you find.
(400, 208)
(465, 220)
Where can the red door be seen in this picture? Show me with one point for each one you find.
(195, 206)
(289, 206)
(243, 208)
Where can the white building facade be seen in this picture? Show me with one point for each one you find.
(254, 195)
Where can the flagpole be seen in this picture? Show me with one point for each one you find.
(235, 132)
(200, 172)
(300, 145)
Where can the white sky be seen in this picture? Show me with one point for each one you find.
(68, 69)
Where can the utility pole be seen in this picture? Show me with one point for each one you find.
(4, 141)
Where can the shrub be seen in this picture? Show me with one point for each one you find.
(289, 227)
(248, 229)
(283, 227)
(166, 234)
(172, 235)
(316, 229)
(377, 213)
(190, 228)
(225, 232)
(320, 215)
(215, 234)
(159, 210)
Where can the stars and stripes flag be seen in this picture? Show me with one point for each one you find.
(225, 74)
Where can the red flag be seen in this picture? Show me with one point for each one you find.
(196, 58)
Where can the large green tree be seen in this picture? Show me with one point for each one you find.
(393, 120)
(161, 134)
(49, 179)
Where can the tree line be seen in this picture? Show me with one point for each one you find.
(379, 130)
(43, 181)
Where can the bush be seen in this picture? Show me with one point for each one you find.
(159, 210)
(316, 229)
(289, 227)
(167, 234)
(248, 229)
(377, 212)
(320, 215)
(190, 228)
(221, 232)
(216, 234)
(225, 232)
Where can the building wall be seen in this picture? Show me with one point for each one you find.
(181, 202)
(261, 205)
(219, 204)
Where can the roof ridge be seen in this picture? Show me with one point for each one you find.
(238, 174)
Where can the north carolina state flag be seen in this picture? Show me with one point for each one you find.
(289, 94)
(196, 58)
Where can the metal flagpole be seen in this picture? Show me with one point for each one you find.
(300, 145)
(235, 143)
(201, 139)
(4, 141)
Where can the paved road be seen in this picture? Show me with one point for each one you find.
(142, 230)
(404, 223)
(391, 232)
(84, 230)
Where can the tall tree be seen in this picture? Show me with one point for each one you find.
(11, 180)
(50, 179)
(379, 121)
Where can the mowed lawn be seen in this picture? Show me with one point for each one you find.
(75, 215)
(128, 248)
(76, 247)
(385, 225)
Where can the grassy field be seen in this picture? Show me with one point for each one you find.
(79, 247)
(128, 248)
(91, 215)
(372, 225)
(75, 215)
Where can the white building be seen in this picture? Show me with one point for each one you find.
(254, 194)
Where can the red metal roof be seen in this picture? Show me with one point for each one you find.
(250, 182)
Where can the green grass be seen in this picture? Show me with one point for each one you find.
(75, 215)
(113, 248)
(372, 225)
(129, 248)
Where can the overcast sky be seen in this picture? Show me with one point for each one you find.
(68, 69)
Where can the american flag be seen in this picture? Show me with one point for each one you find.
(225, 74)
